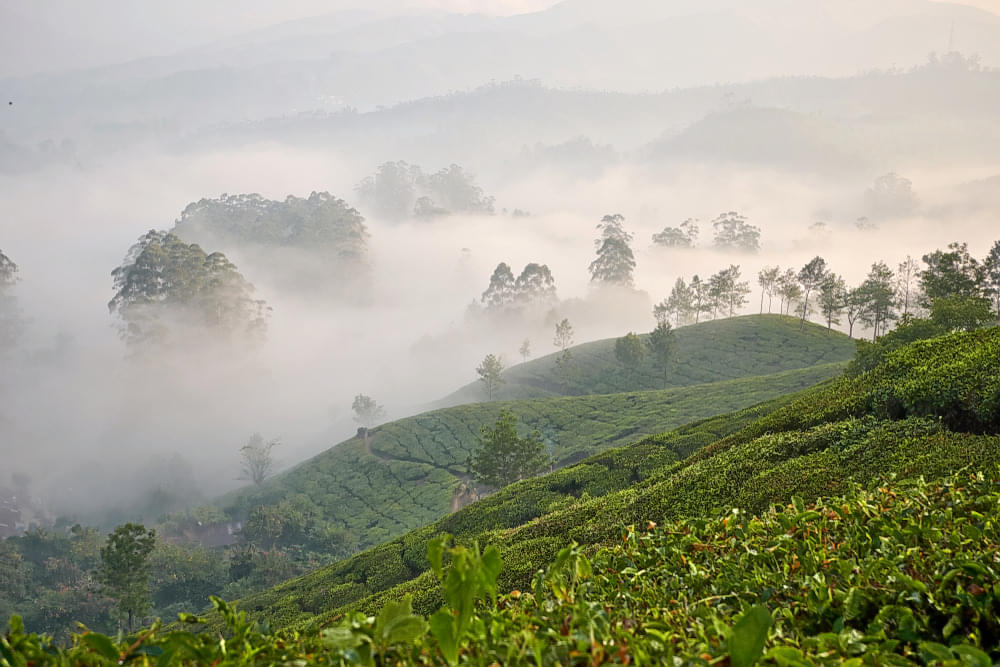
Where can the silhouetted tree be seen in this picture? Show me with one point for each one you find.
(767, 278)
(257, 461)
(614, 263)
(733, 232)
(811, 277)
(684, 236)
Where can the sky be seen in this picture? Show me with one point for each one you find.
(48, 35)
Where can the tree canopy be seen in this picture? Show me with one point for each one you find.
(504, 457)
(164, 283)
(733, 232)
(124, 568)
(615, 262)
(490, 372)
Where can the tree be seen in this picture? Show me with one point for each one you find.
(855, 303)
(614, 263)
(500, 292)
(525, 349)
(629, 351)
(680, 302)
(907, 284)
(504, 457)
(789, 290)
(10, 326)
(661, 345)
(701, 300)
(684, 236)
(124, 568)
(367, 411)
(811, 277)
(733, 232)
(879, 298)
(832, 299)
(767, 278)
(991, 272)
(951, 273)
(392, 190)
(891, 196)
(165, 282)
(491, 374)
(535, 285)
(257, 461)
(961, 313)
(456, 191)
(564, 335)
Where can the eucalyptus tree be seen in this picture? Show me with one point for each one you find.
(490, 372)
(661, 342)
(880, 298)
(684, 236)
(811, 277)
(733, 232)
(615, 262)
(767, 278)
(832, 299)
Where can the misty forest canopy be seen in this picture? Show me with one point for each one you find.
(535, 285)
(398, 190)
(9, 327)
(166, 286)
(320, 223)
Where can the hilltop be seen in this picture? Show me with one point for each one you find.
(929, 410)
(710, 351)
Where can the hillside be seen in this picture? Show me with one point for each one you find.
(930, 409)
(711, 351)
(409, 471)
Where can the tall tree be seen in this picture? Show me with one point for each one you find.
(615, 262)
(767, 278)
(855, 305)
(124, 569)
(257, 460)
(961, 313)
(501, 290)
(490, 373)
(789, 290)
(629, 351)
(164, 281)
(504, 457)
(564, 335)
(991, 269)
(811, 277)
(907, 284)
(832, 299)
(684, 236)
(701, 299)
(535, 285)
(733, 232)
(880, 298)
(367, 411)
(661, 345)
(680, 303)
(951, 273)
(392, 190)
(525, 349)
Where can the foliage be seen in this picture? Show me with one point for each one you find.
(165, 282)
(504, 457)
(367, 411)
(891, 196)
(629, 351)
(991, 273)
(684, 236)
(811, 277)
(961, 313)
(833, 299)
(124, 568)
(564, 334)
(661, 346)
(879, 299)
(615, 262)
(535, 285)
(733, 232)
(398, 190)
(525, 349)
(8, 272)
(951, 273)
(490, 373)
(320, 222)
(257, 461)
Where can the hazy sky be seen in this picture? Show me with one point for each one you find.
(45, 35)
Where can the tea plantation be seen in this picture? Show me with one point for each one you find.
(408, 472)
(706, 352)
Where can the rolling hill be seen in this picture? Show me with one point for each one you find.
(712, 351)
(410, 472)
(931, 409)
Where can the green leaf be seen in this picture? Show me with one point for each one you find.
(971, 655)
(184, 617)
(101, 645)
(442, 625)
(340, 638)
(435, 552)
(936, 651)
(787, 656)
(749, 634)
(406, 629)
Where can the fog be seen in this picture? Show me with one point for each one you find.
(105, 434)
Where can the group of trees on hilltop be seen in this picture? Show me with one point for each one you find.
(398, 190)
(320, 223)
(166, 286)
(534, 285)
(732, 232)
(723, 292)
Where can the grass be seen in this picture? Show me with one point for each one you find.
(711, 351)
